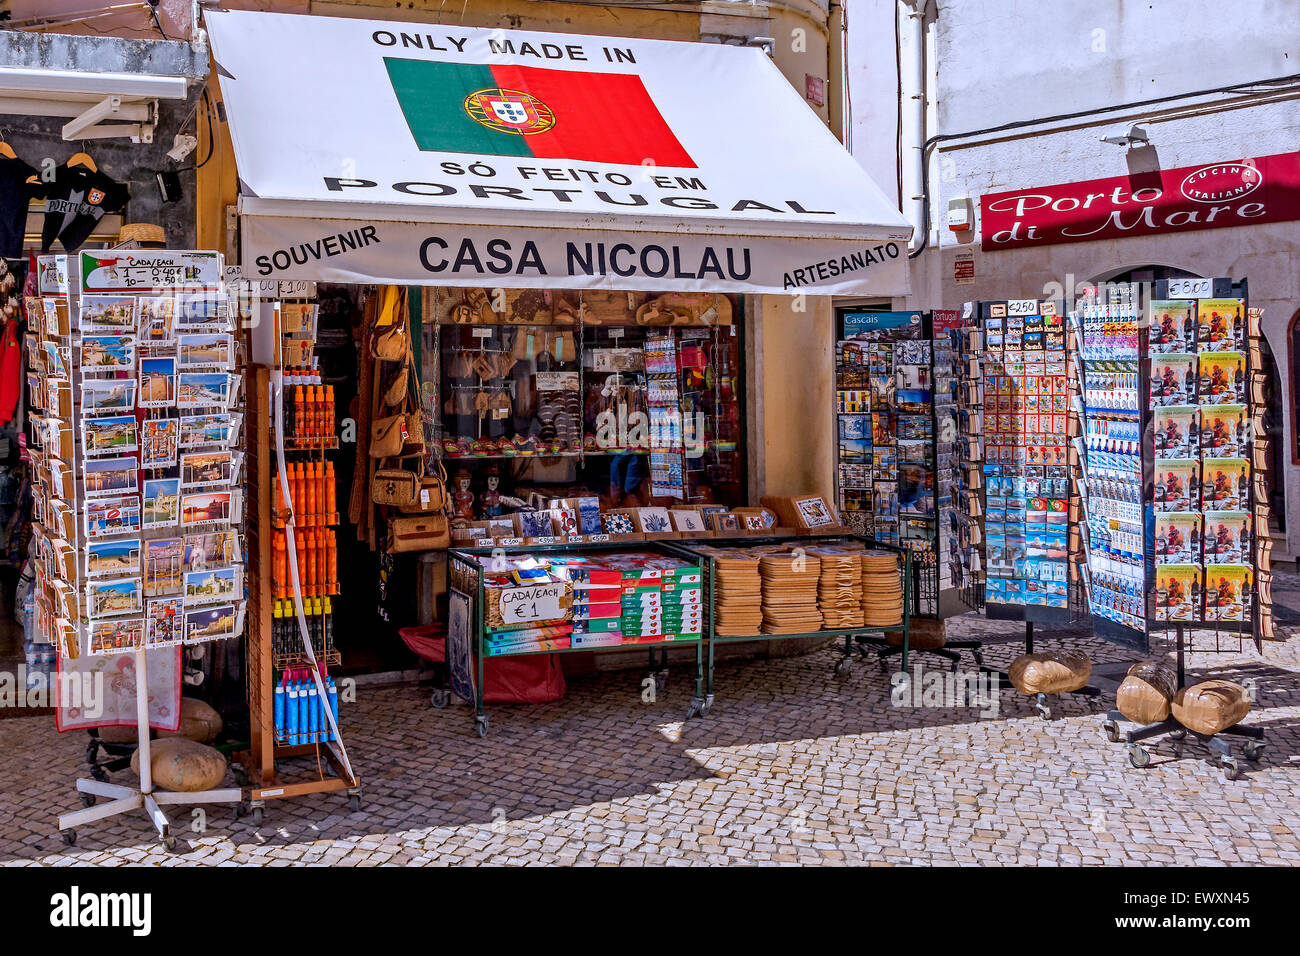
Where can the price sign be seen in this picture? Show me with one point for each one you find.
(1191, 288)
(1022, 307)
(539, 602)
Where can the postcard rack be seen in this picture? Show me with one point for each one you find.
(136, 455)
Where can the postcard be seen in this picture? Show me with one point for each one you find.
(101, 313)
(211, 586)
(110, 598)
(58, 359)
(1223, 378)
(1173, 327)
(159, 440)
(209, 624)
(116, 636)
(161, 502)
(205, 351)
(162, 566)
(107, 396)
(157, 317)
(1225, 484)
(163, 622)
(113, 557)
(107, 353)
(1225, 431)
(207, 469)
(203, 390)
(213, 549)
(109, 435)
(1221, 324)
(1227, 537)
(212, 508)
(1178, 537)
(1175, 484)
(1173, 379)
(1227, 592)
(110, 476)
(1178, 592)
(157, 382)
(200, 430)
(201, 310)
(113, 516)
(1175, 431)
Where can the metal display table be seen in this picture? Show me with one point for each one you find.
(466, 577)
(691, 550)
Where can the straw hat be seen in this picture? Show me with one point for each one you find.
(145, 233)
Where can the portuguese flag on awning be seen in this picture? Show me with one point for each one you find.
(532, 111)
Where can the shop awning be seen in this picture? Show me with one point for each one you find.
(372, 151)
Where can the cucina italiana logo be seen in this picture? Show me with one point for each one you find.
(1221, 181)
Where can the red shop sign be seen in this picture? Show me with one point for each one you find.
(1206, 196)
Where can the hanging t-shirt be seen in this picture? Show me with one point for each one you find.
(16, 194)
(75, 202)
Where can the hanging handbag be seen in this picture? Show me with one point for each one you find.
(397, 486)
(388, 436)
(431, 497)
(422, 533)
(396, 390)
(392, 339)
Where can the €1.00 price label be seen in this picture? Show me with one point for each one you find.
(538, 602)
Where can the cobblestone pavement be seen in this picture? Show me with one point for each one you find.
(793, 766)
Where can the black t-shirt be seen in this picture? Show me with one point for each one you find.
(16, 194)
(74, 204)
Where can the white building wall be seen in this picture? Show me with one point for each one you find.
(1003, 61)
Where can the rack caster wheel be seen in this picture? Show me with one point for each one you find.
(707, 706)
(97, 773)
(843, 667)
(354, 801)
(695, 708)
(1231, 769)
(661, 680)
(241, 810)
(440, 698)
(1040, 705)
(1111, 729)
(167, 840)
(255, 816)
(1138, 756)
(69, 837)
(1253, 750)
(87, 799)
(481, 725)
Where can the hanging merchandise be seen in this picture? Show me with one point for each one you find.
(19, 185)
(77, 198)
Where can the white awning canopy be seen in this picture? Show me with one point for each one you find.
(372, 151)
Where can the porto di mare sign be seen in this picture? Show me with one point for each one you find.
(1206, 196)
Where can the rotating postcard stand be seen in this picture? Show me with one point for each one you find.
(123, 799)
(1175, 456)
(157, 276)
